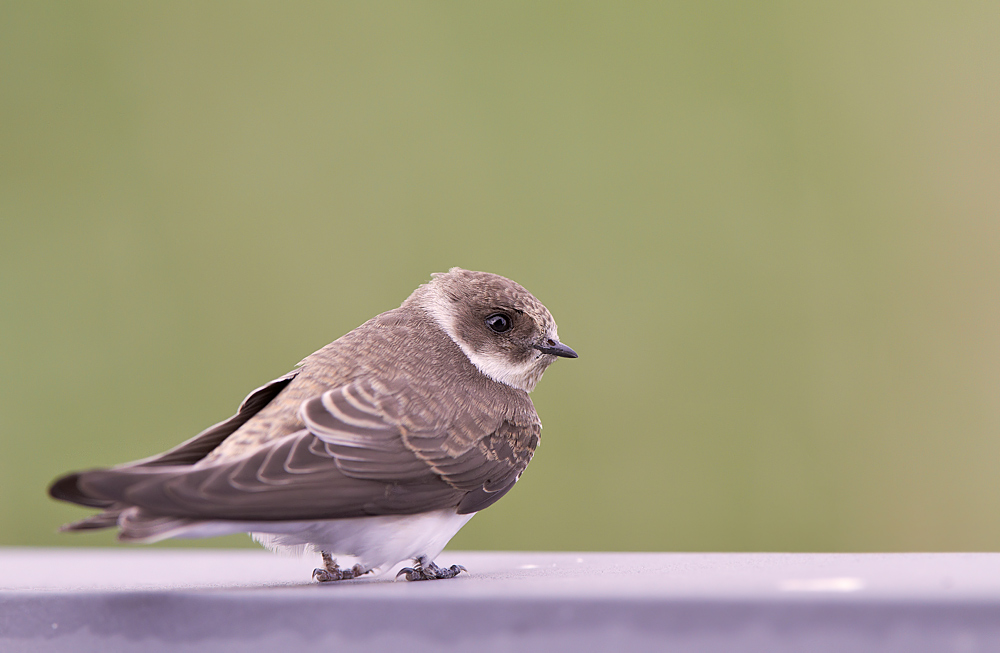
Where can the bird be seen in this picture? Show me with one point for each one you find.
(373, 451)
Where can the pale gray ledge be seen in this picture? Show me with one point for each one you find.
(212, 600)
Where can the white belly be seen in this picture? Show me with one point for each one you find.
(376, 543)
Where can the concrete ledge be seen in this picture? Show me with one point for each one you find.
(190, 600)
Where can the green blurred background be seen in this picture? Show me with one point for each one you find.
(770, 229)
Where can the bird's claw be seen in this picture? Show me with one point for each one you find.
(430, 571)
(331, 572)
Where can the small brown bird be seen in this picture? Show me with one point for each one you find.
(375, 450)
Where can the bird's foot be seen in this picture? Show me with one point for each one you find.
(427, 570)
(331, 572)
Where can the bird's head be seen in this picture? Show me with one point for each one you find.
(506, 333)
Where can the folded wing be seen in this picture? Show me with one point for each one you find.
(365, 449)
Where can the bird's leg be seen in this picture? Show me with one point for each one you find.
(331, 571)
(426, 570)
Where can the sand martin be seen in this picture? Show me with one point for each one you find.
(374, 450)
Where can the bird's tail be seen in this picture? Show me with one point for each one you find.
(106, 519)
(67, 488)
(135, 525)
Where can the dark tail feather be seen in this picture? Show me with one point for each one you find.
(106, 519)
(67, 488)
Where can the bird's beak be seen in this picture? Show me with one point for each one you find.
(555, 348)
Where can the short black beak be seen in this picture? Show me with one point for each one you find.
(556, 349)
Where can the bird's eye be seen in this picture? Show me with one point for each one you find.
(498, 322)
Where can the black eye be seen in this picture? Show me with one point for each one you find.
(498, 322)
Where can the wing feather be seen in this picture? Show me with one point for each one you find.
(365, 450)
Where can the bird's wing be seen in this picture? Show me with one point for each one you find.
(365, 450)
(379, 432)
